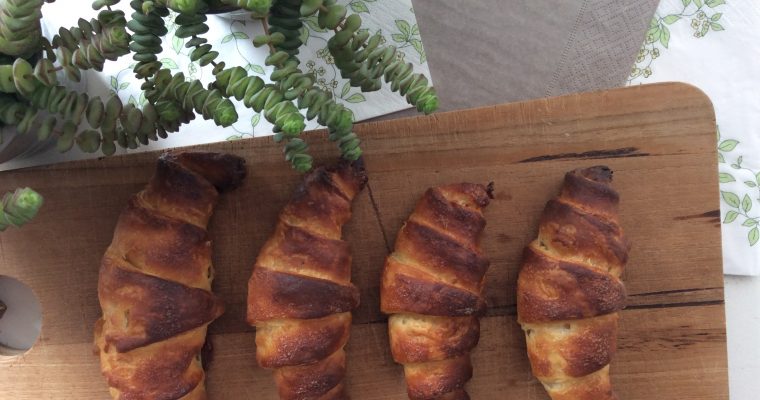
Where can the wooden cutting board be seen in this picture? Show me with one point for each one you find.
(659, 140)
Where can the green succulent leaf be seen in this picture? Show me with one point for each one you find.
(19, 207)
(303, 34)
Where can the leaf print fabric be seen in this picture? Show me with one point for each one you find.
(703, 19)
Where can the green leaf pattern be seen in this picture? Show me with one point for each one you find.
(701, 16)
(409, 35)
(740, 200)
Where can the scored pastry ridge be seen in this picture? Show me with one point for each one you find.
(432, 286)
(569, 290)
(300, 294)
(154, 285)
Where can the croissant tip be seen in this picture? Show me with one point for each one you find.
(489, 189)
(225, 171)
(358, 164)
(597, 173)
(356, 168)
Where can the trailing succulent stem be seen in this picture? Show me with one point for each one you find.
(20, 31)
(19, 207)
(282, 27)
(362, 60)
(192, 96)
(148, 27)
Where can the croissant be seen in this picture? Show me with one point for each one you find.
(300, 294)
(569, 289)
(432, 286)
(155, 281)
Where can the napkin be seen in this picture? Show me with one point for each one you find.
(488, 52)
(231, 37)
(714, 45)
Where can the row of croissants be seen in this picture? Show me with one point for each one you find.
(155, 286)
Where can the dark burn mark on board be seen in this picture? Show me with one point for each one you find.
(714, 216)
(510, 310)
(676, 291)
(671, 305)
(372, 201)
(590, 155)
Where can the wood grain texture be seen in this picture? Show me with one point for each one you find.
(659, 140)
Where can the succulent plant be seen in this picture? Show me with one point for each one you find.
(32, 100)
(19, 207)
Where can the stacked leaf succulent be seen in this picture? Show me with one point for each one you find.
(33, 100)
(19, 207)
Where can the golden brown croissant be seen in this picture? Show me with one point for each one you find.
(432, 285)
(569, 290)
(155, 281)
(300, 294)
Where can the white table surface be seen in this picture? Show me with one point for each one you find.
(743, 322)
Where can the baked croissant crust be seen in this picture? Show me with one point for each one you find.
(300, 294)
(432, 286)
(569, 289)
(155, 280)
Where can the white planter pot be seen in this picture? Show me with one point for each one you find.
(20, 146)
